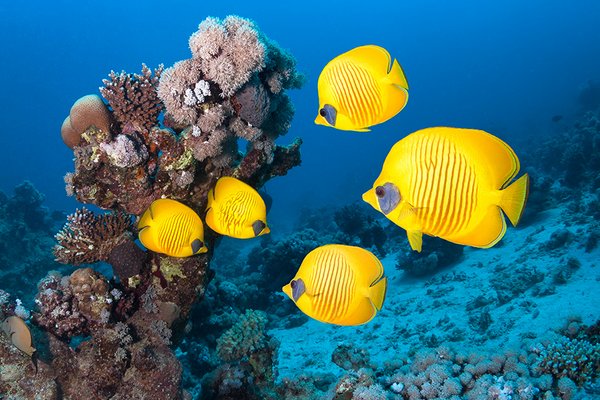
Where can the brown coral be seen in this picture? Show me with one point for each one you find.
(87, 111)
(134, 99)
(88, 238)
(91, 294)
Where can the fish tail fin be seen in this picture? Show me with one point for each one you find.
(514, 198)
(396, 76)
(211, 197)
(146, 219)
(377, 293)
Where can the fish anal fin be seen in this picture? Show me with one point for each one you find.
(365, 312)
(488, 231)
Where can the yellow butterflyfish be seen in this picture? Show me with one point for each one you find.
(361, 88)
(338, 284)
(451, 183)
(171, 228)
(236, 209)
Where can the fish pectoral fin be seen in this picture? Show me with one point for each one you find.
(415, 239)
(407, 210)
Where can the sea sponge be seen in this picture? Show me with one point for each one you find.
(86, 111)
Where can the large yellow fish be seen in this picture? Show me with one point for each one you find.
(339, 284)
(361, 88)
(452, 183)
(235, 209)
(171, 228)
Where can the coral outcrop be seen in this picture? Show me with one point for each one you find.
(111, 336)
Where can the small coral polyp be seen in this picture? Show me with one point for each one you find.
(162, 133)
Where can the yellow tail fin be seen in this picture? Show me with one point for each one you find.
(377, 293)
(514, 198)
(396, 75)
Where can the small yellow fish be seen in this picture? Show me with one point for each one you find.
(171, 228)
(361, 88)
(235, 209)
(451, 183)
(338, 284)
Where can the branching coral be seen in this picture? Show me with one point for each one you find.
(576, 359)
(87, 238)
(133, 99)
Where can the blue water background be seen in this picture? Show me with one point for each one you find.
(506, 67)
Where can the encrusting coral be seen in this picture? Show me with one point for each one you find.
(232, 88)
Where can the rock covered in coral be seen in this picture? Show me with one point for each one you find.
(232, 88)
(250, 354)
(19, 378)
(436, 254)
(88, 238)
(75, 305)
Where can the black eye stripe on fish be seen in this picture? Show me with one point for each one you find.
(388, 197)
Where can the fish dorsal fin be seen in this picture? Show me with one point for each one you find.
(374, 56)
(490, 153)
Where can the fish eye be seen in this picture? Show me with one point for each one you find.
(322, 112)
(293, 284)
(380, 191)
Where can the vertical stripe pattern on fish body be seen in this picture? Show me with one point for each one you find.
(443, 185)
(171, 228)
(236, 209)
(335, 282)
(235, 212)
(175, 232)
(356, 92)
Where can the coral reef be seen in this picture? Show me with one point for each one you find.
(26, 240)
(112, 337)
(250, 356)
